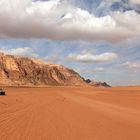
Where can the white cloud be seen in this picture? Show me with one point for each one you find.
(21, 51)
(59, 20)
(133, 66)
(93, 58)
(135, 1)
(91, 71)
(18, 51)
(98, 70)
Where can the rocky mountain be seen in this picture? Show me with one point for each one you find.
(20, 71)
(96, 84)
(24, 71)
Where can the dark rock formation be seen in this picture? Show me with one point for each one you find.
(96, 84)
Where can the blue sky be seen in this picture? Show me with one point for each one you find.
(99, 39)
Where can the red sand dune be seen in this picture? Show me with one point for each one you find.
(70, 113)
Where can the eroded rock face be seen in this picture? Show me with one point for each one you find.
(25, 71)
(100, 84)
(96, 84)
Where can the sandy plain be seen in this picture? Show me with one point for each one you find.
(70, 113)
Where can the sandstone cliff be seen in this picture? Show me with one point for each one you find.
(24, 71)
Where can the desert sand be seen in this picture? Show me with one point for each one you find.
(70, 113)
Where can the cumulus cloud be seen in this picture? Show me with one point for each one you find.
(60, 20)
(21, 51)
(98, 70)
(91, 71)
(133, 66)
(135, 1)
(93, 58)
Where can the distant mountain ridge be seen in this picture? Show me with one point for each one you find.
(96, 83)
(21, 71)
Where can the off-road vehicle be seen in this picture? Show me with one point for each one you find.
(2, 92)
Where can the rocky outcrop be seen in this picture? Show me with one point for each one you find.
(19, 71)
(96, 84)
(24, 71)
